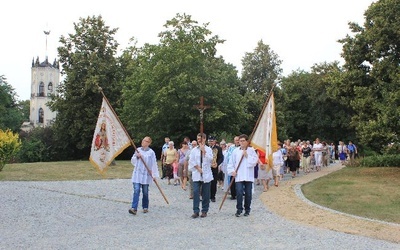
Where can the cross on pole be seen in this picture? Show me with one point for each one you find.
(201, 108)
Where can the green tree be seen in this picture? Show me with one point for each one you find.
(261, 70)
(24, 107)
(372, 79)
(11, 114)
(309, 110)
(168, 79)
(88, 60)
(9, 146)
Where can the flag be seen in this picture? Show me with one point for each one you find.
(109, 138)
(265, 138)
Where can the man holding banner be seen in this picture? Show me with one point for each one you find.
(110, 139)
(241, 166)
(141, 176)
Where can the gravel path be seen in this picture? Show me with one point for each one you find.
(94, 215)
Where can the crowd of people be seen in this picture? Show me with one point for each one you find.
(234, 167)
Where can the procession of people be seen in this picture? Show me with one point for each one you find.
(235, 168)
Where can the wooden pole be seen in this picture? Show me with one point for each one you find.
(201, 108)
(230, 185)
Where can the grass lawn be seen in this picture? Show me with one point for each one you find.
(63, 170)
(367, 192)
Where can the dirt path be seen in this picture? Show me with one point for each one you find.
(283, 201)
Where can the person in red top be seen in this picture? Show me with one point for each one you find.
(264, 172)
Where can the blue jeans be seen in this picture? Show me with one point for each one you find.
(136, 194)
(204, 188)
(246, 187)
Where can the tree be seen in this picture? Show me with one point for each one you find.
(88, 61)
(309, 111)
(168, 78)
(9, 146)
(261, 70)
(24, 107)
(371, 81)
(11, 114)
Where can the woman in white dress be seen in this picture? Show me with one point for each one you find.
(317, 150)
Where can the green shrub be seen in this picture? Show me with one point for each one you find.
(380, 161)
(367, 152)
(38, 146)
(392, 149)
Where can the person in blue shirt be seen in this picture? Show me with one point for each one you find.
(352, 150)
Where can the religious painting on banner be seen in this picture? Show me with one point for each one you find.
(265, 137)
(109, 138)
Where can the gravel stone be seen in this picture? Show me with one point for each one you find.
(94, 215)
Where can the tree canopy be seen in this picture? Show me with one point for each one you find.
(88, 60)
(12, 112)
(371, 81)
(167, 80)
(261, 71)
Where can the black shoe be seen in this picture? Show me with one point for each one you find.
(233, 198)
(203, 215)
(238, 213)
(246, 214)
(195, 215)
(213, 199)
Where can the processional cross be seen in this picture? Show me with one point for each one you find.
(201, 109)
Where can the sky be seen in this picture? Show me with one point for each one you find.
(301, 32)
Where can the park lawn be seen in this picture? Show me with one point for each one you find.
(368, 192)
(64, 170)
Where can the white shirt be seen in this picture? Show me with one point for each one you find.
(246, 168)
(342, 148)
(140, 173)
(194, 159)
(224, 163)
(317, 148)
(277, 158)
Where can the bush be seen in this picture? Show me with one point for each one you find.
(9, 146)
(366, 151)
(392, 149)
(38, 146)
(380, 161)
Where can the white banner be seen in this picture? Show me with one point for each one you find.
(265, 137)
(109, 138)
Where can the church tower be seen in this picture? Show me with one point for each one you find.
(45, 78)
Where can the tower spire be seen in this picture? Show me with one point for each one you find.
(46, 33)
